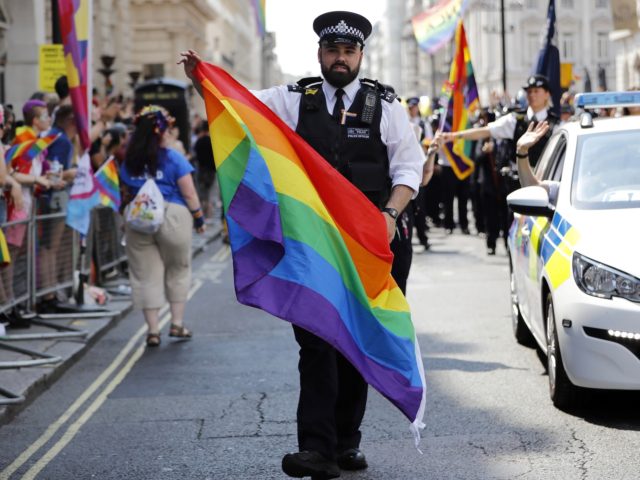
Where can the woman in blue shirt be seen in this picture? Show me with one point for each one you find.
(160, 263)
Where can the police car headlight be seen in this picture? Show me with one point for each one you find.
(603, 281)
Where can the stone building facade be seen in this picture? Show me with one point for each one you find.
(584, 28)
(142, 39)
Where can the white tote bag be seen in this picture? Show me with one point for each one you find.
(145, 213)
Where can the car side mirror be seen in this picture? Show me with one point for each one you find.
(533, 201)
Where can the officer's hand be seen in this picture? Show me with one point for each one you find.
(448, 137)
(189, 59)
(531, 136)
(391, 226)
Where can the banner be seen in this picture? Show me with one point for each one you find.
(259, 8)
(84, 195)
(434, 27)
(463, 100)
(75, 27)
(548, 63)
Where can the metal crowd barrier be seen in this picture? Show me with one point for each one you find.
(108, 252)
(46, 259)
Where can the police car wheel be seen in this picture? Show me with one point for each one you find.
(562, 392)
(520, 329)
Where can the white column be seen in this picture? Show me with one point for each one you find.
(25, 34)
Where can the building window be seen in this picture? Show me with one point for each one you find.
(153, 70)
(602, 3)
(566, 3)
(602, 45)
(567, 46)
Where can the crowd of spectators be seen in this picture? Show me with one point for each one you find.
(41, 186)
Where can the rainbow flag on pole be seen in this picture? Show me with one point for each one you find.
(259, 7)
(75, 26)
(108, 184)
(308, 246)
(463, 100)
(434, 27)
(29, 149)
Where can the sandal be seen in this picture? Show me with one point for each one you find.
(153, 339)
(179, 331)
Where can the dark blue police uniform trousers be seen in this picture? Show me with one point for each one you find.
(402, 249)
(333, 397)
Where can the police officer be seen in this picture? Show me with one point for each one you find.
(515, 124)
(359, 128)
(418, 205)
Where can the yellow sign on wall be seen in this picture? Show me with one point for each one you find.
(566, 74)
(52, 66)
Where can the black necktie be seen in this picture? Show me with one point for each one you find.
(339, 106)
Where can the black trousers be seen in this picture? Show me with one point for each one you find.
(333, 397)
(454, 187)
(495, 208)
(419, 206)
(402, 249)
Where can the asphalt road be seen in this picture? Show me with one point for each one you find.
(222, 406)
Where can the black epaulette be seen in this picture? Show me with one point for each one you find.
(301, 85)
(387, 94)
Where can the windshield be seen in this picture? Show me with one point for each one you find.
(607, 171)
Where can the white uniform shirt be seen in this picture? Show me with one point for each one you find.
(404, 151)
(505, 126)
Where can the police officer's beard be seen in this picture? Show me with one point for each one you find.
(339, 78)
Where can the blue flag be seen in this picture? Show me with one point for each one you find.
(548, 63)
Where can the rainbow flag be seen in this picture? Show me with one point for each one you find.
(75, 25)
(434, 27)
(108, 184)
(463, 100)
(308, 246)
(24, 134)
(29, 149)
(259, 9)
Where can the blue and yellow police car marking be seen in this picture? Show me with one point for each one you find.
(551, 244)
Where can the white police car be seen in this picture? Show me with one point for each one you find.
(575, 260)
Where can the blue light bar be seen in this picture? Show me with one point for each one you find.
(607, 100)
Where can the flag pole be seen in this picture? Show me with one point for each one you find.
(504, 47)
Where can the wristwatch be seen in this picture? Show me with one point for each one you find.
(393, 213)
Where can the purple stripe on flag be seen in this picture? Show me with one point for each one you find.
(289, 301)
(256, 215)
(260, 257)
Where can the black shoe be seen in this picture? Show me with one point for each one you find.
(309, 464)
(491, 251)
(449, 231)
(352, 459)
(465, 231)
(48, 306)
